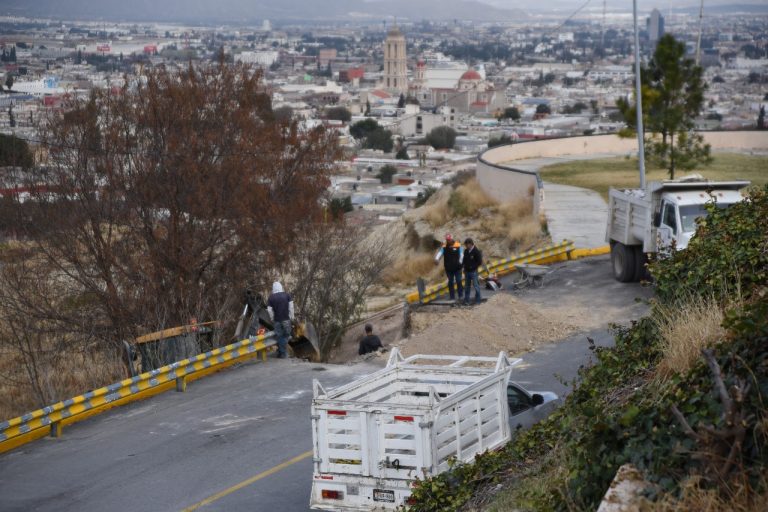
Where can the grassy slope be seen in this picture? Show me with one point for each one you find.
(600, 174)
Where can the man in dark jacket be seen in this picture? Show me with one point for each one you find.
(452, 254)
(280, 309)
(473, 258)
(370, 343)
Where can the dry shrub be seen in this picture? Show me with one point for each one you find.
(524, 233)
(685, 329)
(467, 199)
(409, 266)
(437, 213)
(741, 497)
(62, 375)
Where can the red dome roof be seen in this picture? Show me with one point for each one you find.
(471, 75)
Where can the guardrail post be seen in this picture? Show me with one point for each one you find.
(181, 384)
(56, 429)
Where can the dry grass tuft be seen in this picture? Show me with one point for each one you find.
(741, 497)
(409, 266)
(686, 329)
(470, 197)
(70, 374)
(437, 213)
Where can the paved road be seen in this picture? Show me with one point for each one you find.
(239, 440)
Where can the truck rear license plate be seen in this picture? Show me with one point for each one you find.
(382, 495)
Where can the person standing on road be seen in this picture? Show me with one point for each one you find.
(452, 253)
(280, 309)
(370, 343)
(473, 259)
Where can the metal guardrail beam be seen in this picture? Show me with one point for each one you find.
(550, 253)
(36, 424)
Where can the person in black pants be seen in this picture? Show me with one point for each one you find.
(473, 258)
(452, 253)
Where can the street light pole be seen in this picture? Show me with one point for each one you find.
(639, 103)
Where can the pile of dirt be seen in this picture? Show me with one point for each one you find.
(501, 323)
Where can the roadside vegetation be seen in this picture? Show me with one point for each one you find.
(681, 396)
(602, 173)
(463, 209)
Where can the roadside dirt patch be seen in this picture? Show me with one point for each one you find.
(502, 323)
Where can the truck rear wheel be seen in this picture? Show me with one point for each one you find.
(623, 261)
(641, 272)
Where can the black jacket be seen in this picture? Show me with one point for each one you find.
(452, 256)
(473, 259)
(371, 343)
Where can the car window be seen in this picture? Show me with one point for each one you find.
(518, 401)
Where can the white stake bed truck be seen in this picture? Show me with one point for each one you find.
(659, 218)
(374, 436)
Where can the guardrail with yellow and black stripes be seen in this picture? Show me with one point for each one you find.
(53, 418)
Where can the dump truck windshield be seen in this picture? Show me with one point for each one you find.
(690, 212)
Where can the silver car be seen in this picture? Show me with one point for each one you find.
(528, 407)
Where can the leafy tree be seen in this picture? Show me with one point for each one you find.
(12, 57)
(543, 108)
(367, 108)
(442, 137)
(499, 141)
(9, 81)
(761, 118)
(385, 173)
(673, 95)
(402, 154)
(718, 80)
(510, 113)
(379, 138)
(423, 197)
(594, 106)
(401, 101)
(15, 152)
(338, 114)
(361, 129)
(339, 206)
(283, 114)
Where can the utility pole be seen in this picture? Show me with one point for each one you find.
(698, 41)
(639, 103)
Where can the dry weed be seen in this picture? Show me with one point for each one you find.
(685, 329)
(63, 376)
(741, 497)
(409, 266)
(437, 213)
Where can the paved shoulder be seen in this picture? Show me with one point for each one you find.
(575, 213)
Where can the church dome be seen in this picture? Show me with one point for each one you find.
(471, 75)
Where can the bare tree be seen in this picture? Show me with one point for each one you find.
(331, 270)
(163, 201)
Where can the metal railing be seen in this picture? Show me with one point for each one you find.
(51, 419)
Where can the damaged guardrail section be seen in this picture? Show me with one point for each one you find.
(51, 419)
(552, 253)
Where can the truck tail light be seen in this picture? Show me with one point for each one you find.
(338, 413)
(332, 495)
(404, 418)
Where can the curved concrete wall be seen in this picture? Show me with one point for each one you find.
(497, 174)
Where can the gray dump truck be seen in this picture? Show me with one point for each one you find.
(660, 218)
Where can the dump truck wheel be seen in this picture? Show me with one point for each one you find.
(623, 261)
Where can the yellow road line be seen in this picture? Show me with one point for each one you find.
(245, 483)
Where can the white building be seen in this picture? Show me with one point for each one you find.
(259, 58)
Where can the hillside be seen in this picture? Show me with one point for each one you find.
(680, 399)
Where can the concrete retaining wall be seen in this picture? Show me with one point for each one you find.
(497, 174)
